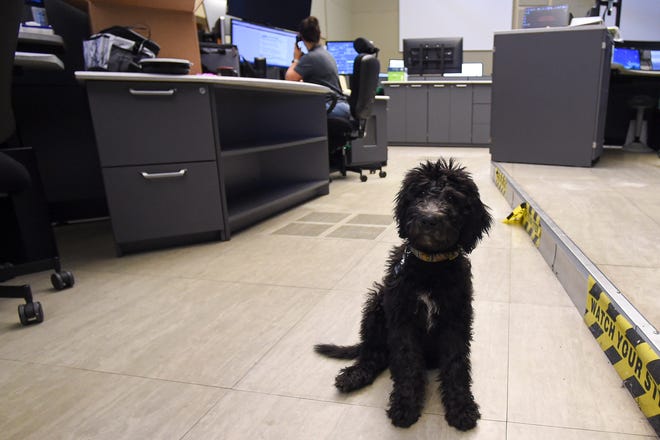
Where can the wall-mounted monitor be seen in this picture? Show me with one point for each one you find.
(257, 41)
(546, 16)
(433, 56)
(344, 54)
(627, 57)
(271, 13)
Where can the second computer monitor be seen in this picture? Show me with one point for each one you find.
(433, 56)
(344, 54)
(257, 41)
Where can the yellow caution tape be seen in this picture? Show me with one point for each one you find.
(634, 360)
(529, 219)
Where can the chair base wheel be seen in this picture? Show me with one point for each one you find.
(31, 313)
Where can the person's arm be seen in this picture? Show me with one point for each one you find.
(291, 74)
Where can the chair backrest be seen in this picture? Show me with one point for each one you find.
(364, 83)
(10, 17)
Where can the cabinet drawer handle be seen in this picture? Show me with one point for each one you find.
(394, 86)
(174, 174)
(461, 85)
(415, 85)
(438, 86)
(136, 92)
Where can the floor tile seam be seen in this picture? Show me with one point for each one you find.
(116, 373)
(374, 243)
(636, 205)
(305, 398)
(201, 417)
(578, 428)
(628, 266)
(274, 344)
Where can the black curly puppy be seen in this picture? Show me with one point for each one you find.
(421, 315)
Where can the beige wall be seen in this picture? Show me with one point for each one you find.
(378, 20)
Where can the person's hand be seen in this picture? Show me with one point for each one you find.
(297, 53)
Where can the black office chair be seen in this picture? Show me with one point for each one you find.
(341, 132)
(17, 188)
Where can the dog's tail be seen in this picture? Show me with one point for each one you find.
(338, 351)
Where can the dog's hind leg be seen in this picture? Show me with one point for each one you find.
(372, 356)
(409, 377)
(461, 411)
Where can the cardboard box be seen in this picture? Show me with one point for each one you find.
(172, 24)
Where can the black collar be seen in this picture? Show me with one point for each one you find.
(426, 257)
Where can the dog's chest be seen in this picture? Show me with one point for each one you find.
(427, 309)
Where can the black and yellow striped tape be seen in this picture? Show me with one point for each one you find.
(500, 181)
(633, 359)
(529, 219)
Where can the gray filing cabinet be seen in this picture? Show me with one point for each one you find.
(155, 192)
(481, 107)
(439, 112)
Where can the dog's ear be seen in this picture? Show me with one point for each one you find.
(477, 220)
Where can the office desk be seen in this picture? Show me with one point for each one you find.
(624, 85)
(189, 158)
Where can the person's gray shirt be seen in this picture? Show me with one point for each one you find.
(319, 67)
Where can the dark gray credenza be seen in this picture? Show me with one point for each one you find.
(444, 112)
(550, 89)
(192, 158)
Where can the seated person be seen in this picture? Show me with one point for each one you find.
(318, 67)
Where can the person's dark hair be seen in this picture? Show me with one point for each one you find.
(310, 30)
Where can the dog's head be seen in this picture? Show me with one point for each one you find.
(438, 208)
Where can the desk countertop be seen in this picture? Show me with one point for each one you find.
(224, 81)
(630, 72)
(443, 81)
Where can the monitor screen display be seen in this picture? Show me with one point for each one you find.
(256, 41)
(628, 58)
(469, 69)
(546, 16)
(433, 56)
(655, 60)
(344, 54)
(286, 15)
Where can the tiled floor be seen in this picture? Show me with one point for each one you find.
(615, 202)
(214, 341)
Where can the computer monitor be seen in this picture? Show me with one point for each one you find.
(469, 69)
(433, 56)
(344, 54)
(257, 41)
(546, 16)
(627, 57)
(655, 60)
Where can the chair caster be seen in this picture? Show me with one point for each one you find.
(62, 280)
(382, 174)
(31, 313)
(363, 178)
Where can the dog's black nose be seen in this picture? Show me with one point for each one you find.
(431, 219)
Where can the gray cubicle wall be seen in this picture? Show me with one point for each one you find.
(549, 95)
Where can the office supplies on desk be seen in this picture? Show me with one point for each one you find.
(171, 66)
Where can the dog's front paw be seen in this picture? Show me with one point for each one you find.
(353, 378)
(403, 416)
(463, 417)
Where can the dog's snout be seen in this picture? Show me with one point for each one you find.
(431, 219)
